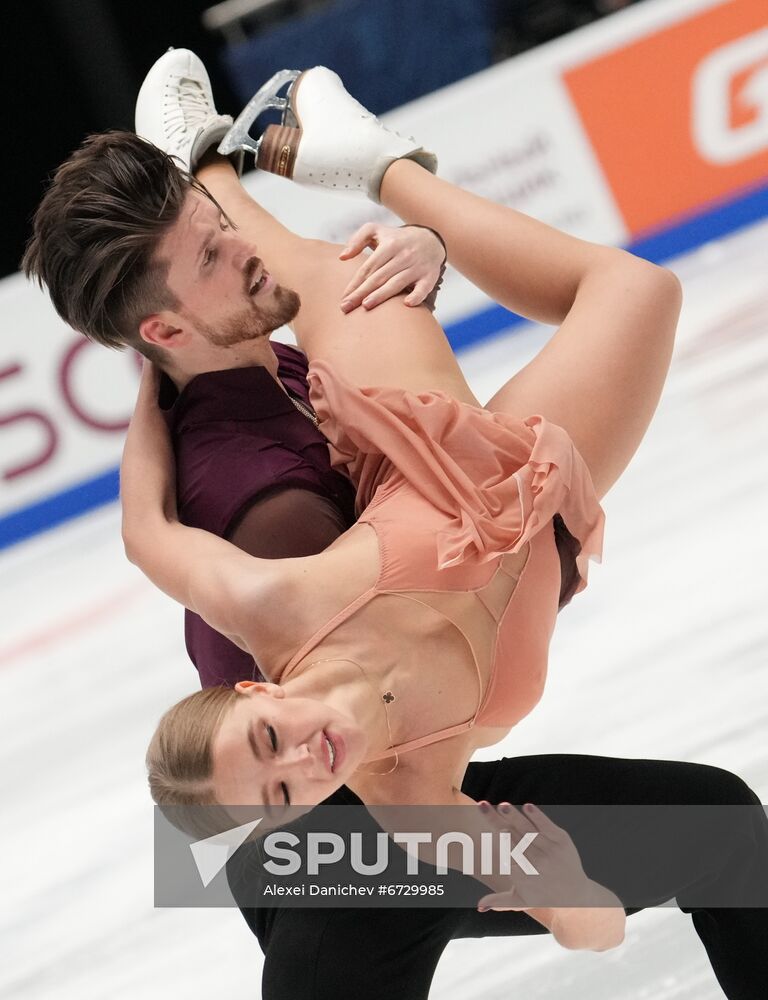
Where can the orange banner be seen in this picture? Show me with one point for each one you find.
(679, 119)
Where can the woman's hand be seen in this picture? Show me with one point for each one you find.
(407, 259)
(580, 913)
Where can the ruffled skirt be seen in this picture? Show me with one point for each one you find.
(497, 479)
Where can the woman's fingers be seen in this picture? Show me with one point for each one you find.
(378, 268)
(409, 252)
(421, 290)
(386, 247)
(396, 284)
(378, 259)
(364, 237)
(392, 274)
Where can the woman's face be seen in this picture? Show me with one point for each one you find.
(273, 749)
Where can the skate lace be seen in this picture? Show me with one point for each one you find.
(367, 115)
(190, 109)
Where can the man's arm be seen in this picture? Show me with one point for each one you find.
(593, 918)
(318, 954)
(288, 523)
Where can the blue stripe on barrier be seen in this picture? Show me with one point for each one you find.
(59, 507)
(687, 234)
(695, 230)
(481, 325)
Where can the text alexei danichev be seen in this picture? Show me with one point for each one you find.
(318, 890)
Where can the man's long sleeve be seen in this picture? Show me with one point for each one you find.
(283, 524)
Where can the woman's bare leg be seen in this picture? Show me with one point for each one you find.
(263, 229)
(601, 374)
(393, 344)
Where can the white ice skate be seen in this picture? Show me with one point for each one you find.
(175, 109)
(326, 138)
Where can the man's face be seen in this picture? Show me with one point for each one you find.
(225, 293)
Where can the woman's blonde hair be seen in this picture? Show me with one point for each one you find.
(180, 762)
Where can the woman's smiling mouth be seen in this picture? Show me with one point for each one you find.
(330, 751)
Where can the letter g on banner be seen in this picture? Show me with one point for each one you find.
(728, 81)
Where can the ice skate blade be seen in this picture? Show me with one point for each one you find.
(239, 137)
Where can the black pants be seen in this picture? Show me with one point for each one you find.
(321, 954)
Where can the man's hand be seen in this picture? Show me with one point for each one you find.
(552, 853)
(593, 916)
(408, 259)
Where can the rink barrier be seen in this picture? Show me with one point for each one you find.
(688, 234)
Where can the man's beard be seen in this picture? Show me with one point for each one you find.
(255, 322)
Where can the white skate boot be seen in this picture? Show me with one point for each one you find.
(326, 138)
(175, 109)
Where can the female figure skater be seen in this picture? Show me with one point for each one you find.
(422, 633)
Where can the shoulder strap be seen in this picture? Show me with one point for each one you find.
(423, 741)
(326, 629)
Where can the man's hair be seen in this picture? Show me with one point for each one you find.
(96, 234)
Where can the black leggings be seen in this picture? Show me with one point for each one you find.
(321, 954)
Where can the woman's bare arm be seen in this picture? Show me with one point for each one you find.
(206, 574)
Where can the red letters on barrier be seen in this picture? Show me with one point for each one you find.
(49, 441)
(77, 406)
(49, 431)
